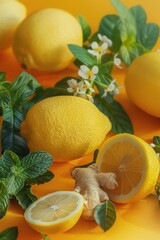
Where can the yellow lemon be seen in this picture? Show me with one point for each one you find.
(41, 40)
(143, 82)
(136, 166)
(55, 212)
(11, 15)
(68, 127)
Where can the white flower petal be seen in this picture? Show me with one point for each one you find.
(70, 90)
(104, 46)
(84, 68)
(116, 91)
(72, 82)
(94, 45)
(111, 87)
(152, 145)
(100, 36)
(92, 77)
(87, 83)
(95, 69)
(94, 53)
(82, 74)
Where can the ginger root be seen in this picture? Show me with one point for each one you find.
(93, 187)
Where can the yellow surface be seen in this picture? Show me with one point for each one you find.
(137, 221)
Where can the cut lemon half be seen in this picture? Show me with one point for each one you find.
(135, 164)
(55, 212)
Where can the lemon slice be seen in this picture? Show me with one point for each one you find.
(55, 212)
(135, 164)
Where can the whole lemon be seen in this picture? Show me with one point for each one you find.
(68, 127)
(11, 14)
(41, 40)
(143, 83)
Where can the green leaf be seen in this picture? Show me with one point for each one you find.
(15, 181)
(4, 199)
(107, 25)
(25, 197)
(148, 35)
(11, 139)
(9, 234)
(128, 30)
(105, 215)
(115, 112)
(156, 141)
(2, 77)
(129, 53)
(46, 177)
(140, 16)
(15, 178)
(82, 55)
(23, 88)
(36, 163)
(86, 29)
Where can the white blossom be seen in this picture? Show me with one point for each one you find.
(111, 88)
(117, 61)
(87, 73)
(97, 49)
(105, 39)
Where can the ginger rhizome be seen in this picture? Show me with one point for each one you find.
(93, 186)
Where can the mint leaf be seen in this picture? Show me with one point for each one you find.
(128, 29)
(86, 29)
(15, 181)
(12, 117)
(105, 215)
(140, 16)
(4, 199)
(2, 76)
(82, 55)
(148, 35)
(156, 141)
(25, 197)
(115, 112)
(36, 163)
(109, 26)
(9, 234)
(22, 88)
(46, 177)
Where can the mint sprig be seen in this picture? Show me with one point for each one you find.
(18, 175)
(10, 233)
(129, 31)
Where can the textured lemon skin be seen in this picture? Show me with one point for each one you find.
(68, 127)
(11, 15)
(143, 83)
(41, 40)
(61, 226)
(151, 164)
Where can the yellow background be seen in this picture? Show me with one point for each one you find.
(140, 220)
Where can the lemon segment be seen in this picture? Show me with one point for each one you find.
(135, 164)
(67, 127)
(55, 212)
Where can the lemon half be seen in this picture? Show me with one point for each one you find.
(55, 212)
(136, 166)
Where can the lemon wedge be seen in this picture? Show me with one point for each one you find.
(55, 212)
(135, 164)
